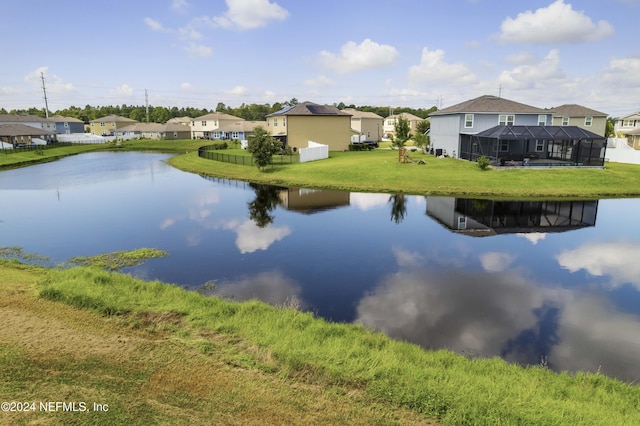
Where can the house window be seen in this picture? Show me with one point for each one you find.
(216, 135)
(506, 119)
(539, 145)
(588, 121)
(66, 125)
(204, 123)
(284, 121)
(504, 146)
(468, 121)
(565, 121)
(234, 135)
(102, 124)
(542, 120)
(193, 123)
(275, 121)
(215, 123)
(391, 122)
(627, 123)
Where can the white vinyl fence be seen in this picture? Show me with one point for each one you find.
(313, 152)
(93, 139)
(619, 152)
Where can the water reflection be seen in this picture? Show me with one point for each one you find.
(532, 291)
(478, 217)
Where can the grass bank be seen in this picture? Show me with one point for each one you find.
(159, 354)
(28, 158)
(379, 171)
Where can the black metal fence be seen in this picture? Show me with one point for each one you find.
(213, 152)
(24, 148)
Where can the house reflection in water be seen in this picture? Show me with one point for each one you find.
(481, 218)
(310, 201)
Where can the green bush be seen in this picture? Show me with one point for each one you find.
(483, 163)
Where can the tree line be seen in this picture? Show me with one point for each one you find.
(161, 114)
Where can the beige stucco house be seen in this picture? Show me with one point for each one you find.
(324, 124)
(389, 128)
(107, 126)
(583, 117)
(367, 124)
(203, 127)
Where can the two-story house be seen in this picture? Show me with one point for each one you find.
(324, 124)
(583, 117)
(208, 126)
(107, 126)
(389, 126)
(629, 127)
(67, 125)
(368, 125)
(513, 133)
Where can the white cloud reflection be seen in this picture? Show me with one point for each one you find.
(533, 237)
(251, 238)
(364, 201)
(270, 287)
(618, 260)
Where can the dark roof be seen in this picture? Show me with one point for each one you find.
(574, 110)
(22, 118)
(22, 130)
(490, 104)
(309, 108)
(538, 132)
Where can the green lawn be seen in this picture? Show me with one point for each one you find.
(157, 353)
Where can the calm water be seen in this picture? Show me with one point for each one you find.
(526, 281)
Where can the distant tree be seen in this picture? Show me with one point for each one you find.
(421, 141)
(221, 107)
(402, 132)
(292, 102)
(159, 114)
(138, 115)
(341, 106)
(423, 126)
(610, 126)
(262, 146)
(3, 111)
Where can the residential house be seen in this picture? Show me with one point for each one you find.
(203, 127)
(577, 115)
(156, 131)
(107, 126)
(452, 127)
(389, 126)
(238, 131)
(298, 124)
(67, 125)
(629, 127)
(16, 135)
(509, 132)
(180, 120)
(368, 124)
(32, 121)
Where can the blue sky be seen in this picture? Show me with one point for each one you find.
(415, 53)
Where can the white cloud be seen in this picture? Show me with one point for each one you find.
(248, 14)
(53, 83)
(545, 72)
(185, 86)
(238, 90)
(188, 33)
(434, 70)
(123, 90)
(556, 23)
(521, 58)
(199, 50)
(618, 260)
(180, 6)
(319, 81)
(153, 24)
(496, 262)
(356, 57)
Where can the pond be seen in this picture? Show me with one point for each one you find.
(533, 282)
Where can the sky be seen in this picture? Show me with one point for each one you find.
(401, 53)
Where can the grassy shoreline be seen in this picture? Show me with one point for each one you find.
(156, 351)
(379, 171)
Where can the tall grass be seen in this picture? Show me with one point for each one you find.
(437, 384)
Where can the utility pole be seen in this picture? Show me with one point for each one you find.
(44, 90)
(146, 101)
(500, 91)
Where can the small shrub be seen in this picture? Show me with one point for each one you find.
(483, 163)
